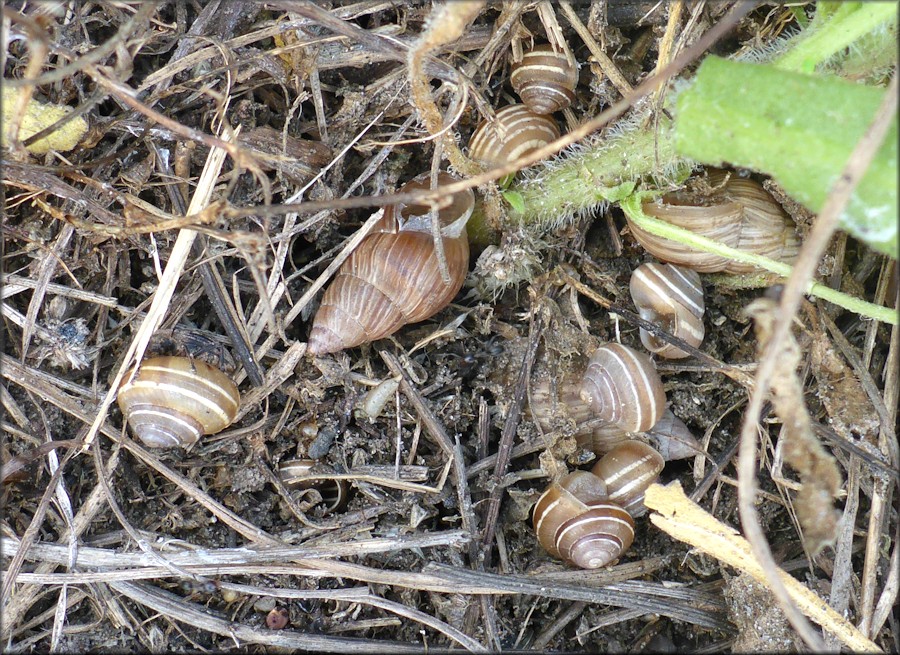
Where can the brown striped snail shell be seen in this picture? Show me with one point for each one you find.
(514, 132)
(623, 388)
(574, 522)
(545, 79)
(549, 403)
(670, 437)
(173, 401)
(309, 474)
(546, 405)
(628, 469)
(584, 517)
(393, 277)
(741, 214)
(671, 297)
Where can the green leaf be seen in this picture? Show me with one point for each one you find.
(798, 128)
(515, 200)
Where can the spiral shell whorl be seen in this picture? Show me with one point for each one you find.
(389, 281)
(741, 214)
(597, 537)
(393, 277)
(515, 132)
(623, 388)
(672, 297)
(173, 401)
(545, 79)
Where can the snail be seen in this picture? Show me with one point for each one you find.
(673, 439)
(302, 474)
(741, 214)
(173, 401)
(545, 79)
(628, 469)
(514, 132)
(549, 402)
(576, 518)
(393, 278)
(671, 297)
(623, 388)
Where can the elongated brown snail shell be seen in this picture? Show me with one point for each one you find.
(623, 388)
(545, 79)
(393, 277)
(173, 401)
(584, 518)
(671, 297)
(335, 493)
(742, 215)
(515, 131)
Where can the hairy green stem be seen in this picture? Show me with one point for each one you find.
(832, 32)
(607, 172)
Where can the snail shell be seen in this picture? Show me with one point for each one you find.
(173, 401)
(549, 403)
(545, 79)
(627, 470)
(573, 521)
(623, 388)
(335, 493)
(742, 215)
(514, 132)
(671, 297)
(393, 277)
(673, 439)
(586, 518)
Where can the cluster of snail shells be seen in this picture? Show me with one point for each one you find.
(586, 517)
(618, 395)
(173, 401)
(738, 212)
(393, 277)
(545, 80)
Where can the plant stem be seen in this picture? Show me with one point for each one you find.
(607, 172)
(838, 30)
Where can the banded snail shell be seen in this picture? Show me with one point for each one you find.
(549, 403)
(302, 474)
(671, 297)
(173, 401)
(742, 215)
(545, 79)
(623, 388)
(574, 521)
(393, 277)
(514, 132)
(627, 470)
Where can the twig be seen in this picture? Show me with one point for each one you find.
(507, 435)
